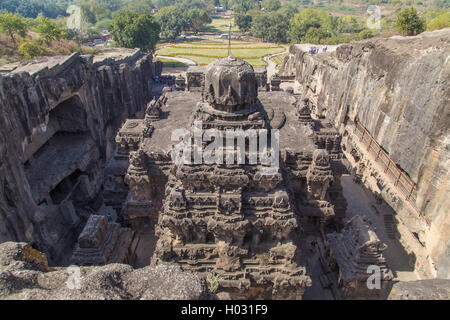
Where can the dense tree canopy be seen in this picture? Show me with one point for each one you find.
(270, 26)
(243, 21)
(320, 21)
(49, 30)
(172, 21)
(271, 5)
(32, 8)
(198, 18)
(288, 10)
(135, 30)
(242, 6)
(141, 6)
(347, 24)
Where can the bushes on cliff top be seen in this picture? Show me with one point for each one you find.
(13, 24)
(30, 48)
(440, 22)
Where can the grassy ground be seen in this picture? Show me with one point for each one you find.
(168, 63)
(204, 53)
(219, 26)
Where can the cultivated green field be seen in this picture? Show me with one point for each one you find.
(206, 52)
(169, 63)
(219, 26)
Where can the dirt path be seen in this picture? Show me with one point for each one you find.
(271, 66)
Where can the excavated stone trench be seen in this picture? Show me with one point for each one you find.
(60, 117)
(74, 143)
(397, 90)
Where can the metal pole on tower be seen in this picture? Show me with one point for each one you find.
(229, 40)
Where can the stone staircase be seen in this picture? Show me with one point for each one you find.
(390, 226)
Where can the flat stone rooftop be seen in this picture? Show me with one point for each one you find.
(176, 114)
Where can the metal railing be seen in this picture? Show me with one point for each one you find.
(402, 182)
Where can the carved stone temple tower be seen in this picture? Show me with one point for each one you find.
(238, 221)
(235, 220)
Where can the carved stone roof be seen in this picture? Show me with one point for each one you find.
(230, 84)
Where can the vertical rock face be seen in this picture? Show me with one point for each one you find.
(58, 121)
(398, 89)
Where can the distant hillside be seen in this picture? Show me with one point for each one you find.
(9, 54)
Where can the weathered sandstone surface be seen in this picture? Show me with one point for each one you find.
(24, 274)
(398, 89)
(431, 289)
(58, 120)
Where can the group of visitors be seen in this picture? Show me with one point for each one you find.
(313, 246)
(165, 80)
(315, 50)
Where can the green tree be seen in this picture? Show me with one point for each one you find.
(141, 6)
(288, 10)
(30, 49)
(88, 10)
(408, 22)
(49, 30)
(316, 35)
(95, 10)
(440, 22)
(242, 6)
(271, 5)
(270, 26)
(347, 24)
(243, 21)
(365, 34)
(172, 21)
(115, 5)
(104, 24)
(13, 24)
(198, 19)
(135, 30)
(309, 18)
(254, 13)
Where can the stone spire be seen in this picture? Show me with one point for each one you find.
(230, 85)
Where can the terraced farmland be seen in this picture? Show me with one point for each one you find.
(205, 52)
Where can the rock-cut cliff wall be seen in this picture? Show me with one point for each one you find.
(398, 89)
(58, 119)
